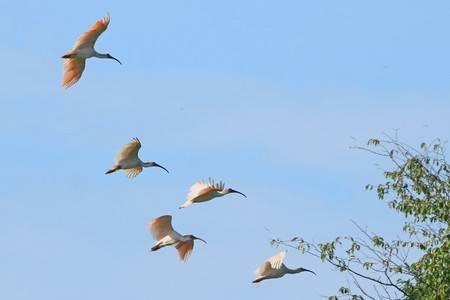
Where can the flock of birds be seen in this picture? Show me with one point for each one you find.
(128, 160)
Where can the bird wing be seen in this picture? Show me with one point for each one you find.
(129, 151)
(263, 269)
(89, 38)
(73, 68)
(201, 188)
(185, 249)
(131, 173)
(273, 263)
(277, 260)
(160, 227)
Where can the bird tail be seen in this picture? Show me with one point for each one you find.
(112, 169)
(186, 204)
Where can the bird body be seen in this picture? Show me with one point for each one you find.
(128, 160)
(75, 58)
(171, 239)
(275, 273)
(164, 234)
(274, 267)
(203, 191)
(85, 53)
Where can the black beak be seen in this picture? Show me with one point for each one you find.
(112, 57)
(306, 270)
(237, 192)
(197, 238)
(159, 166)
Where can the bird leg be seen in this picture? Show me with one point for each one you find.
(156, 247)
(69, 55)
(112, 169)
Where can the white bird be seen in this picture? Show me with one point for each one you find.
(274, 267)
(75, 58)
(204, 191)
(164, 234)
(128, 160)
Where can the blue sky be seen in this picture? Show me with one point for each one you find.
(267, 96)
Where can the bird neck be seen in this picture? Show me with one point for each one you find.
(186, 237)
(294, 271)
(100, 55)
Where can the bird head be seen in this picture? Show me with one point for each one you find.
(197, 238)
(112, 57)
(228, 191)
(153, 164)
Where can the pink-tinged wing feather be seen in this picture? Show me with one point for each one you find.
(131, 173)
(263, 269)
(161, 226)
(277, 260)
(89, 38)
(201, 188)
(273, 263)
(198, 188)
(185, 249)
(129, 151)
(73, 68)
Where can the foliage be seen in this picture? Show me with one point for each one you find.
(416, 266)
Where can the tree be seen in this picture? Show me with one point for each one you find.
(415, 266)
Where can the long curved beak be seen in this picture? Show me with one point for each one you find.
(159, 166)
(112, 57)
(237, 192)
(197, 238)
(306, 270)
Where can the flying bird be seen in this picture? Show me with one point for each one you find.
(128, 160)
(274, 267)
(203, 191)
(164, 234)
(75, 58)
